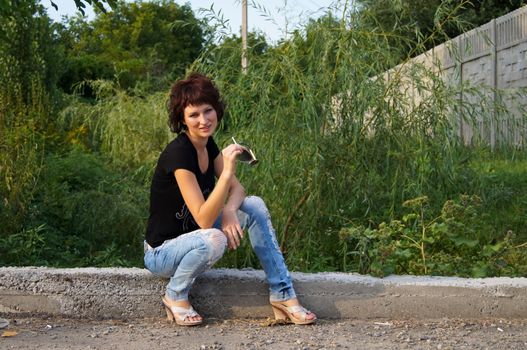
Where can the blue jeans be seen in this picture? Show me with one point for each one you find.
(183, 258)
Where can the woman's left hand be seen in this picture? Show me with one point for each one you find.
(230, 225)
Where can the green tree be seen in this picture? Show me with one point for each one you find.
(404, 21)
(228, 52)
(81, 4)
(28, 46)
(480, 12)
(423, 24)
(8, 5)
(135, 42)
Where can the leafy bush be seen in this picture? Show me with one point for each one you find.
(448, 244)
(340, 146)
(83, 214)
(24, 248)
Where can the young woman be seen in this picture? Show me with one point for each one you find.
(198, 208)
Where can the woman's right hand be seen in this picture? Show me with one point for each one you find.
(230, 153)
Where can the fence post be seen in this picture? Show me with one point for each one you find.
(459, 63)
(493, 81)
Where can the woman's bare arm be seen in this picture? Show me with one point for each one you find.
(230, 224)
(205, 212)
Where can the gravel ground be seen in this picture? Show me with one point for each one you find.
(61, 333)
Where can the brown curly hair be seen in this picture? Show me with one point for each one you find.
(195, 90)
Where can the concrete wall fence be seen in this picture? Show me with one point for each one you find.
(493, 59)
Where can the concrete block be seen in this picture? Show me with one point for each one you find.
(123, 293)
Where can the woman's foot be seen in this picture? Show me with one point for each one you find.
(181, 312)
(291, 310)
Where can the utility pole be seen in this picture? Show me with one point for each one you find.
(244, 37)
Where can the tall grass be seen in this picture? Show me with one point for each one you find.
(339, 147)
(25, 105)
(129, 130)
(339, 144)
(21, 152)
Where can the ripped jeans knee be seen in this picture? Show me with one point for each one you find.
(183, 258)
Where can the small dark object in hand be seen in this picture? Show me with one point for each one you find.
(247, 156)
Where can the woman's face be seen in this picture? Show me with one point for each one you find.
(201, 120)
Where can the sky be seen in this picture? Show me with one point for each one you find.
(274, 18)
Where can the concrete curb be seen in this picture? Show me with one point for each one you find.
(123, 293)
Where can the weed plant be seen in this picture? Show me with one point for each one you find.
(449, 244)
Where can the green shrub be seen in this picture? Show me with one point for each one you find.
(85, 213)
(449, 244)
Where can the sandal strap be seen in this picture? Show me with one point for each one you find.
(299, 310)
(182, 313)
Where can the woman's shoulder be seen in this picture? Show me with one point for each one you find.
(180, 142)
(178, 148)
(178, 153)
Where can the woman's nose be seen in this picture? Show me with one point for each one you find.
(202, 118)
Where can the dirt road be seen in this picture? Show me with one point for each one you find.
(60, 333)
